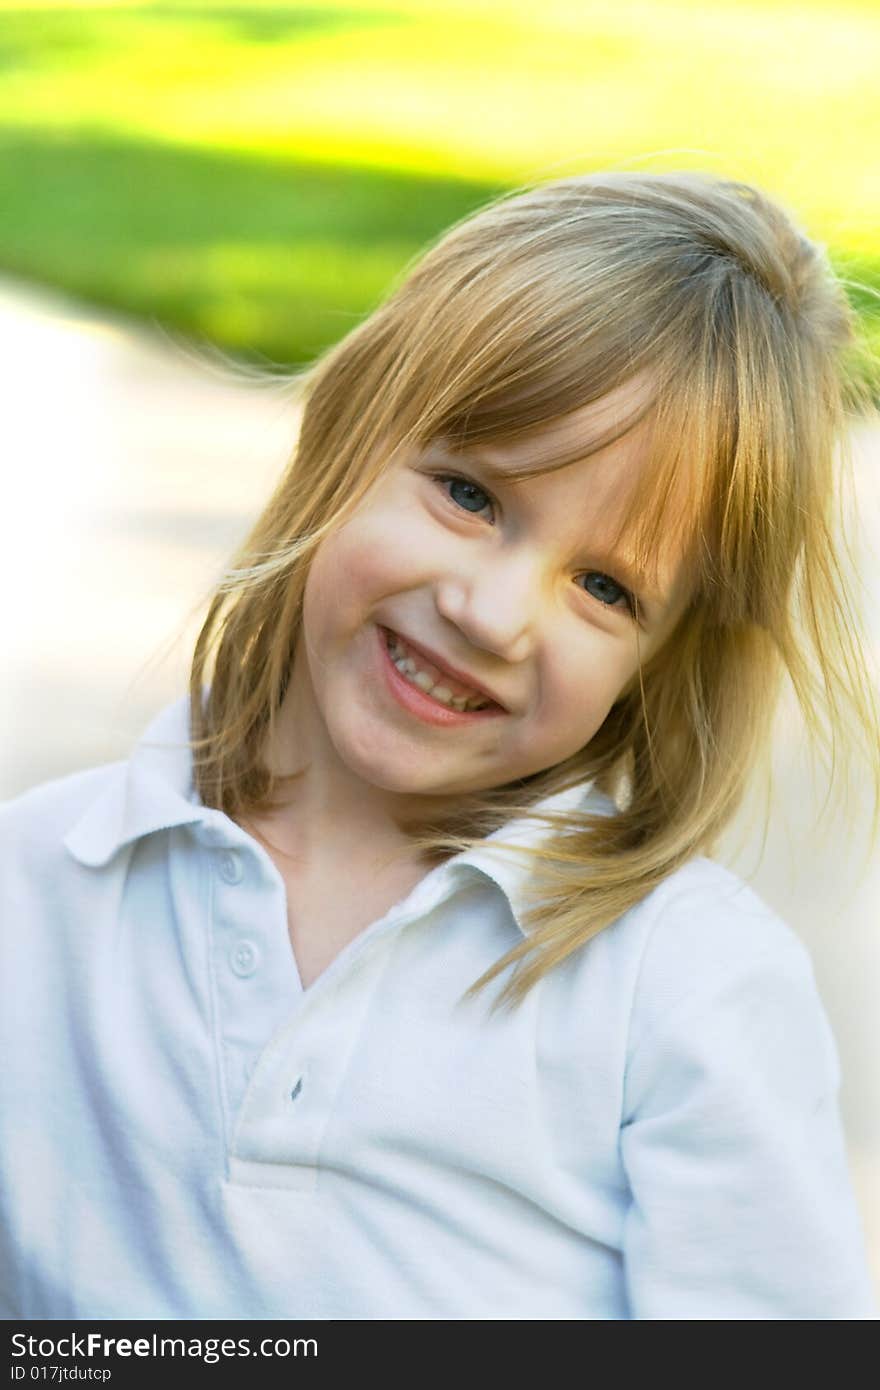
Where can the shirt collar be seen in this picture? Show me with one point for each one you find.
(510, 869)
(154, 790)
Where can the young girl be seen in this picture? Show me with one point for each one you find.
(391, 978)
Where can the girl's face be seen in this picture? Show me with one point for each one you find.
(509, 584)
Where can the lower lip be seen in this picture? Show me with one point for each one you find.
(420, 703)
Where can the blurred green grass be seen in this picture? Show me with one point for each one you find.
(258, 175)
(268, 258)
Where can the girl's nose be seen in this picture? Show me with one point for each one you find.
(495, 605)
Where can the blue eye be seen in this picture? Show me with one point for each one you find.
(618, 591)
(466, 490)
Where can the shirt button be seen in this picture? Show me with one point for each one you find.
(244, 958)
(230, 867)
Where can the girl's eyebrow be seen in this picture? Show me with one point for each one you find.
(496, 473)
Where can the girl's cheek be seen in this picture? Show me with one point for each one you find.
(581, 692)
(397, 549)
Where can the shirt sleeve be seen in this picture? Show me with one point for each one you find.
(741, 1204)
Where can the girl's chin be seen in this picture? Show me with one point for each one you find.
(398, 772)
(397, 781)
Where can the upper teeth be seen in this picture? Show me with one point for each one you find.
(417, 675)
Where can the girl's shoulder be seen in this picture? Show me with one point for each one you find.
(706, 907)
(34, 822)
(730, 1131)
(709, 945)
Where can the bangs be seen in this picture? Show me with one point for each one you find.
(557, 369)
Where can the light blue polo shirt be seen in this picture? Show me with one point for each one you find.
(187, 1133)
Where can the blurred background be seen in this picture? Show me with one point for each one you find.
(199, 198)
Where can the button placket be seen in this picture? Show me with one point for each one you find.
(249, 943)
(288, 1104)
(244, 958)
(230, 866)
(243, 955)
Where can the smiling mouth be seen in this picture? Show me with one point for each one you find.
(431, 680)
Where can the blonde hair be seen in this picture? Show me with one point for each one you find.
(535, 306)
